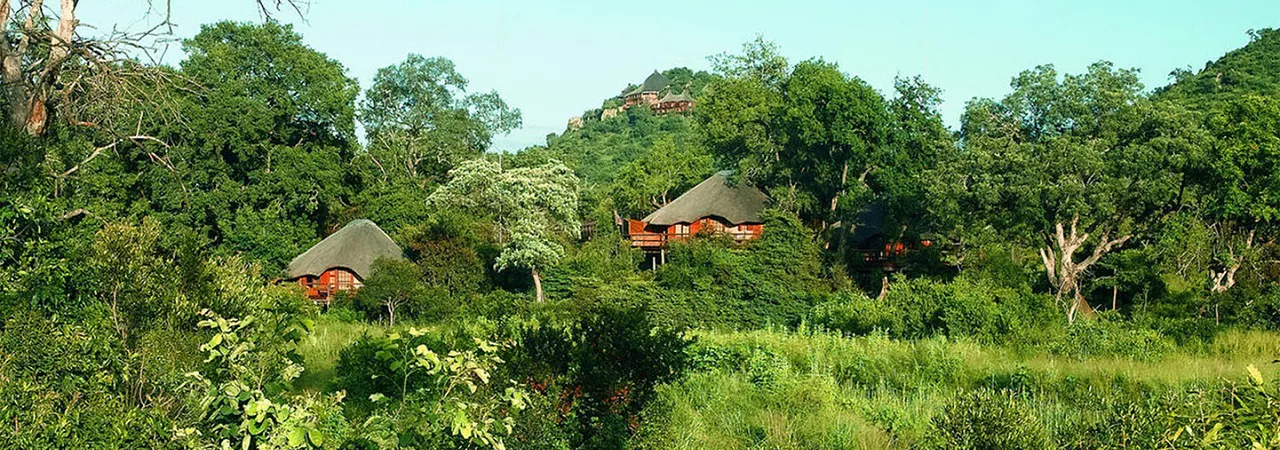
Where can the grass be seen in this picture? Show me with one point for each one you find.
(320, 350)
(780, 389)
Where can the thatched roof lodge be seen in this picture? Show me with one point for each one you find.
(714, 205)
(342, 261)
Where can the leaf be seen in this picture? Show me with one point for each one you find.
(297, 437)
(377, 397)
(256, 427)
(316, 438)
(1255, 376)
(1212, 435)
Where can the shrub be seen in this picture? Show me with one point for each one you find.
(855, 314)
(987, 420)
(1238, 415)
(712, 282)
(920, 308)
(344, 314)
(1106, 337)
(361, 372)
(605, 365)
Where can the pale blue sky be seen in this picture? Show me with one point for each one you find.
(554, 59)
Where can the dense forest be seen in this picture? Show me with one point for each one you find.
(1085, 262)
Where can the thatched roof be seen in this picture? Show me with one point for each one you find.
(713, 197)
(354, 247)
(656, 82)
(672, 97)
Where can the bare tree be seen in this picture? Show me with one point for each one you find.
(46, 64)
(1064, 272)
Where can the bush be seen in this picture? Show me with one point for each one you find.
(1106, 337)
(605, 366)
(854, 314)
(344, 314)
(921, 308)
(361, 372)
(987, 420)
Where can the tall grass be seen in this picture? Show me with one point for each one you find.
(783, 389)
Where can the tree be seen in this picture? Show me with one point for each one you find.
(135, 276)
(1066, 166)
(760, 61)
(917, 143)
(529, 208)
(40, 52)
(668, 167)
(834, 124)
(1241, 184)
(393, 284)
(265, 156)
(420, 121)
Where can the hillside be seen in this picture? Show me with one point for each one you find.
(1252, 69)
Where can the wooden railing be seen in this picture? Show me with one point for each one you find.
(656, 240)
(648, 240)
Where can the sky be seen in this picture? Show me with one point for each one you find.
(555, 59)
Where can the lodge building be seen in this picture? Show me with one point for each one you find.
(714, 206)
(342, 261)
(651, 94)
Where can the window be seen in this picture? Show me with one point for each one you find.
(682, 229)
(344, 280)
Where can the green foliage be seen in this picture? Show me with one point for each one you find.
(1104, 337)
(397, 284)
(415, 394)
(1241, 415)
(421, 123)
(988, 420)
(136, 278)
(241, 404)
(605, 366)
(1247, 70)
(713, 282)
(920, 308)
(655, 178)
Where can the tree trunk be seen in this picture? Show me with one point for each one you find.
(1226, 279)
(537, 283)
(1064, 272)
(844, 177)
(15, 87)
(391, 313)
(884, 288)
(28, 95)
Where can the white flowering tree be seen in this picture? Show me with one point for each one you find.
(531, 209)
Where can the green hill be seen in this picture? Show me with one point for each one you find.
(1252, 69)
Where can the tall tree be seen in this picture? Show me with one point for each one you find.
(421, 122)
(531, 208)
(668, 168)
(266, 148)
(836, 134)
(1066, 166)
(1241, 184)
